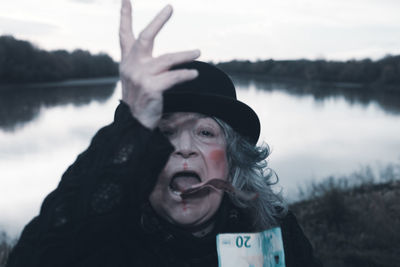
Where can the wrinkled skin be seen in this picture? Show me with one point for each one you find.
(143, 77)
(199, 142)
(200, 150)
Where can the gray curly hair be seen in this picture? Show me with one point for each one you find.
(249, 171)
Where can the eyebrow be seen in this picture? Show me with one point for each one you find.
(167, 116)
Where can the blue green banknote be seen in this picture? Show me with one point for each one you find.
(263, 249)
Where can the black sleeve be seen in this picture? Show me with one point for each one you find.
(98, 194)
(298, 249)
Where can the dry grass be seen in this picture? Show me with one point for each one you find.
(5, 248)
(351, 221)
(354, 223)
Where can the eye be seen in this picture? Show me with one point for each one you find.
(206, 133)
(167, 131)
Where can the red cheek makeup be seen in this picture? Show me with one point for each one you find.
(217, 155)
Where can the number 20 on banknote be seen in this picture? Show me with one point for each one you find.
(263, 249)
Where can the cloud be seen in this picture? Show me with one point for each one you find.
(25, 27)
(84, 1)
(91, 1)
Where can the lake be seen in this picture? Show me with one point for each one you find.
(313, 130)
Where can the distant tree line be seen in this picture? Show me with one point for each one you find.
(21, 62)
(384, 71)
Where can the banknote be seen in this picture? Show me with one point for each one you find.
(263, 249)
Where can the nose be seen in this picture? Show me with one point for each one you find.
(184, 145)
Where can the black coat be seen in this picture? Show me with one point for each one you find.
(99, 214)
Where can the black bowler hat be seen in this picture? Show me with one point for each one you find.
(212, 93)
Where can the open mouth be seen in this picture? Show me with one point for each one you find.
(182, 181)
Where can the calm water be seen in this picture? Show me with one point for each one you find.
(312, 132)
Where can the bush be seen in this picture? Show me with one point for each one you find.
(21, 62)
(354, 220)
(5, 248)
(385, 71)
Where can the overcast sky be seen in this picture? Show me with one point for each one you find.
(221, 29)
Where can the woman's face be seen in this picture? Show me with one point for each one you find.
(200, 155)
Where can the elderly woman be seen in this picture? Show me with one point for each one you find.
(178, 166)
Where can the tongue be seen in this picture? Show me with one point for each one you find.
(183, 183)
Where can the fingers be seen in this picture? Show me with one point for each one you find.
(126, 37)
(166, 61)
(168, 79)
(147, 36)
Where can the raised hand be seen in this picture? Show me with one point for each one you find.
(144, 78)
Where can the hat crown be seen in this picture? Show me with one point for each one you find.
(212, 93)
(210, 81)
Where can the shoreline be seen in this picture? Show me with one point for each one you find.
(352, 86)
(65, 83)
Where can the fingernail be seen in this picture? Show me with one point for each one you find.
(168, 8)
(196, 53)
(195, 73)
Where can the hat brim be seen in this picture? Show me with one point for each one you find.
(235, 113)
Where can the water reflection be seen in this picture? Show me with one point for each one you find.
(389, 101)
(20, 105)
(308, 141)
